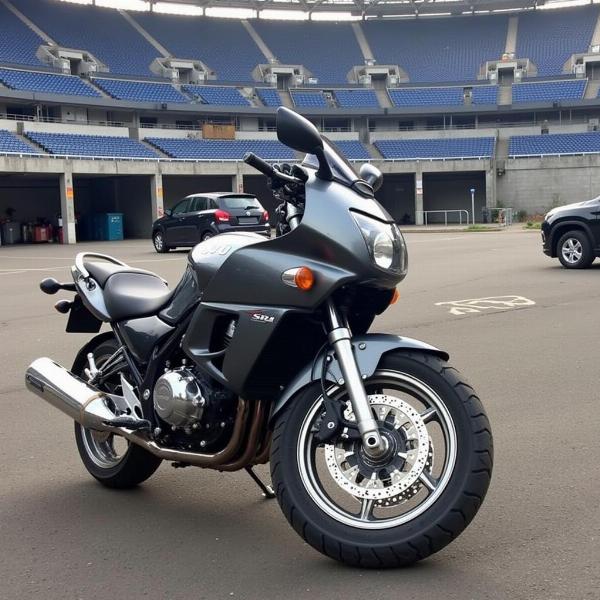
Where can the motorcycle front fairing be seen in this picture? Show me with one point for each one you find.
(248, 287)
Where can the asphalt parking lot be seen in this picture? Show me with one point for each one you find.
(532, 352)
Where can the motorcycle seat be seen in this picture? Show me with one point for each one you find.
(129, 293)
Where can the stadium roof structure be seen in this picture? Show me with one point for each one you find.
(377, 8)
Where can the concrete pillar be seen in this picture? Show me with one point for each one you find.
(156, 195)
(419, 195)
(67, 206)
(237, 181)
(490, 186)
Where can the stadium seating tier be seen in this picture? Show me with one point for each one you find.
(66, 144)
(50, 83)
(10, 143)
(140, 91)
(200, 149)
(410, 149)
(548, 91)
(558, 143)
(221, 96)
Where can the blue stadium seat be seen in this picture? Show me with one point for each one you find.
(140, 91)
(352, 149)
(436, 50)
(222, 149)
(481, 147)
(356, 98)
(305, 99)
(50, 83)
(549, 91)
(559, 143)
(18, 43)
(328, 50)
(103, 32)
(485, 94)
(269, 96)
(10, 143)
(434, 96)
(221, 96)
(223, 45)
(66, 144)
(549, 37)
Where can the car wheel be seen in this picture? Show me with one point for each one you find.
(158, 239)
(207, 235)
(574, 250)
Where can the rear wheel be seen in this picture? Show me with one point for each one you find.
(207, 235)
(575, 250)
(411, 502)
(111, 459)
(158, 239)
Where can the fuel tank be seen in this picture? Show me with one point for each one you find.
(207, 257)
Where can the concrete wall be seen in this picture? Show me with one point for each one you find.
(537, 184)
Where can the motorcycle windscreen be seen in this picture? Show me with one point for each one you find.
(342, 170)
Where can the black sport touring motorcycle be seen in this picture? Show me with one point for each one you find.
(380, 453)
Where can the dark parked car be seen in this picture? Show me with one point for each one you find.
(572, 233)
(199, 217)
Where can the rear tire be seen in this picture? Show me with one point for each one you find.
(98, 453)
(158, 239)
(207, 235)
(429, 531)
(575, 250)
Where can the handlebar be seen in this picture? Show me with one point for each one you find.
(266, 169)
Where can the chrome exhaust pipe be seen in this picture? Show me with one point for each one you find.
(60, 388)
(87, 405)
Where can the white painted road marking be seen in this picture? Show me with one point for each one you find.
(477, 305)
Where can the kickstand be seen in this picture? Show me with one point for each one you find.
(267, 490)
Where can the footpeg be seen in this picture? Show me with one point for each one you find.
(267, 490)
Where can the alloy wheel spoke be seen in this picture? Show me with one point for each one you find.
(429, 415)
(428, 481)
(366, 510)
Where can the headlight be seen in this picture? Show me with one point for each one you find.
(385, 243)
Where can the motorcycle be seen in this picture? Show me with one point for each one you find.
(380, 453)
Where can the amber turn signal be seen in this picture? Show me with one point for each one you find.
(304, 278)
(395, 297)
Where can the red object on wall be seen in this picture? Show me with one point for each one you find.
(42, 233)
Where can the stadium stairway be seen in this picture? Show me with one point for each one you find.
(592, 89)
(383, 98)
(505, 94)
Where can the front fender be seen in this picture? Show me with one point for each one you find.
(368, 349)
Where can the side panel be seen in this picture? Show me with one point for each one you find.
(141, 335)
(231, 365)
(368, 350)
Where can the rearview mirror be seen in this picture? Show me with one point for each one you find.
(168, 212)
(372, 175)
(298, 133)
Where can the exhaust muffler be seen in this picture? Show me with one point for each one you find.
(60, 388)
(87, 405)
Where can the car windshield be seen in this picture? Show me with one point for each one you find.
(243, 202)
(342, 170)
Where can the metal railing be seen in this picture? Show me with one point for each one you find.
(460, 211)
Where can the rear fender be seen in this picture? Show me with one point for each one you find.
(81, 361)
(368, 350)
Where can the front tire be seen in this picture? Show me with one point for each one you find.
(575, 250)
(429, 511)
(112, 460)
(160, 245)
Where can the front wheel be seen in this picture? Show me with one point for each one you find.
(415, 499)
(575, 250)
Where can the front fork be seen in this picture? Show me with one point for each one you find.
(340, 339)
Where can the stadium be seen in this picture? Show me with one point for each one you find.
(126, 106)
